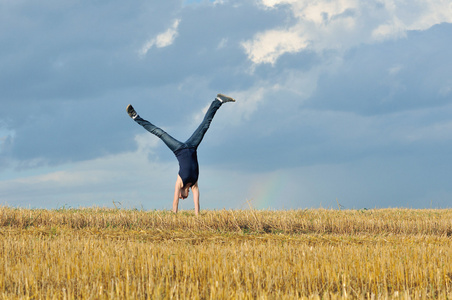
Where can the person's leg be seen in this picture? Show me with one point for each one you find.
(171, 142)
(197, 136)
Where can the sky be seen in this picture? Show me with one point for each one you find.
(340, 103)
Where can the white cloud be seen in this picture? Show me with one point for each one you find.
(145, 144)
(426, 13)
(267, 47)
(247, 102)
(223, 43)
(272, 3)
(343, 24)
(395, 69)
(393, 29)
(162, 40)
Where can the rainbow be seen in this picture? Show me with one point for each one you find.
(267, 192)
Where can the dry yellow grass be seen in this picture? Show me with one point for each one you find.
(113, 253)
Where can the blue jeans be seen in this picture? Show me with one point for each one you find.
(196, 137)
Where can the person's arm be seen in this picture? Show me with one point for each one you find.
(195, 190)
(177, 189)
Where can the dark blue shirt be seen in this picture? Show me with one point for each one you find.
(188, 165)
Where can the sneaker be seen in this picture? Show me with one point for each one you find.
(132, 113)
(224, 98)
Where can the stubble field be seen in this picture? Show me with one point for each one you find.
(100, 253)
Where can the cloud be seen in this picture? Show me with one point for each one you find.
(223, 43)
(132, 178)
(344, 88)
(389, 77)
(268, 46)
(394, 29)
(324, 25)
(162, 40)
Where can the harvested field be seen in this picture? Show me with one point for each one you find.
(101, 253)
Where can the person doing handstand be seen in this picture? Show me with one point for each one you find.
(186, 153)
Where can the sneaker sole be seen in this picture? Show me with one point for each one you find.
(226, 98)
